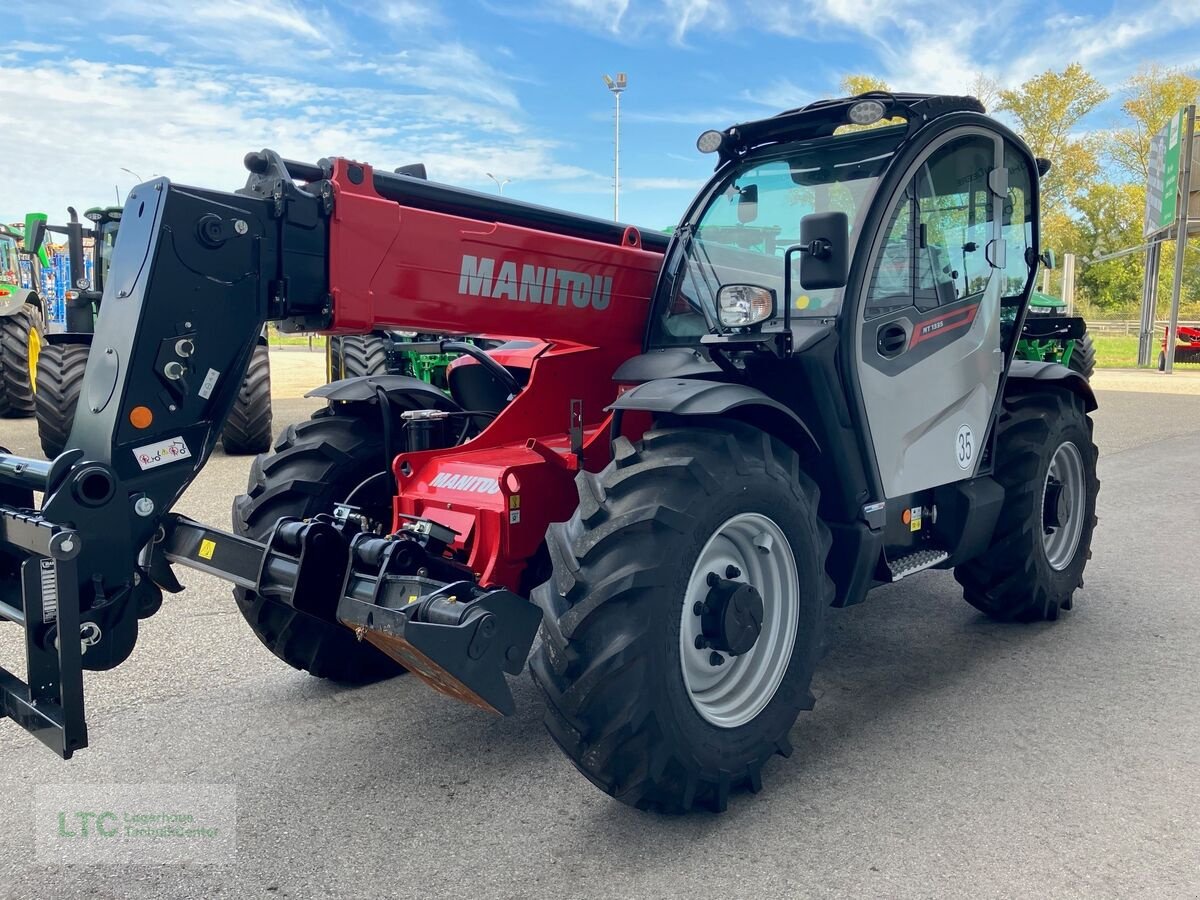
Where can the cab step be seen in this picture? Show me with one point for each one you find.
(915, 562)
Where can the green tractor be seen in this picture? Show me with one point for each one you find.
(385, 352)
(63, 356)
(22, 318)
(1052, 336)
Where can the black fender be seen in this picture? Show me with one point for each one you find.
(367, 387)
(695, 397)
(1031, 375)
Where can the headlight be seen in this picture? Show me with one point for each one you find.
(866, 112)
(710, 142)
(1043, 310)
(741, 305)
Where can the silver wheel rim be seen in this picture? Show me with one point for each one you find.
(1065, 474)
(737, 690)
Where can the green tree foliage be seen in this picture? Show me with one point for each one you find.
(1152, 97)
(1047, 109)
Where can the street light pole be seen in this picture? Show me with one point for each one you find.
(616, 86)
(499, 184)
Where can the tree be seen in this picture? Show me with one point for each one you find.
(1047, 108)
(1152, 97)
(854, 85)
(985, 89)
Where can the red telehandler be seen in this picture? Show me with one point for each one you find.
(684, 453)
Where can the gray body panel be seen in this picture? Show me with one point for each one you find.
(916, 415)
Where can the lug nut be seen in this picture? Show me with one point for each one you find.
(733, 572)
(697, 608)
(701, 643)
(716, 659)
(713, 579)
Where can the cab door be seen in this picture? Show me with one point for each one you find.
(929, 349)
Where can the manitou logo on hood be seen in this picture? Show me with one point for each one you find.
(475, 484)
(481, 276)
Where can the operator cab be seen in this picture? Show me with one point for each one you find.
(860, 268)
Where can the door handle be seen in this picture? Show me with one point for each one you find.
(892, 339)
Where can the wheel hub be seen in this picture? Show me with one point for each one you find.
(739, 619)
(1064, 497)
(731, 617)
(1056, 511)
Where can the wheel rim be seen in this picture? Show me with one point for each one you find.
(1063, 496)
(737, 690)
(35, 350)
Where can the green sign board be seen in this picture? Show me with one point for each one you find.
(1171, 156)
(1162, 188)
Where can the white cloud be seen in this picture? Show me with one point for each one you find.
(194, 125)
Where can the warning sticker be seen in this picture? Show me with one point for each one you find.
(914, 521)
(206, 548)
(210, 382)
(49, 576)
(168, 450)
(514, 517)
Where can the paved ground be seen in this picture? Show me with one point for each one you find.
(947, 755)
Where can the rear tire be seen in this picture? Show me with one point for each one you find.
(353, 355)
(59, 379)
(615, 661)
(20, 346)
(248, 428)
(1162, 360)
(1032, 568)
(1083, 357)
(316, 464)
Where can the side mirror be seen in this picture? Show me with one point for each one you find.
(1047, 259)
(825, 250)
(35, 233)
(747, 204)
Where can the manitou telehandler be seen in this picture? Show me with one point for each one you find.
(780, 407)
(60, 364)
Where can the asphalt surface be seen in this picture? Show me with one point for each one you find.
(947, 755)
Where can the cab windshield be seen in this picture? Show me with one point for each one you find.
(753, 216)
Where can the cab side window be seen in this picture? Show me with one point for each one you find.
(934, 251)
(1017, 223)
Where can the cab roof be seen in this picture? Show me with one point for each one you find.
(824, 117)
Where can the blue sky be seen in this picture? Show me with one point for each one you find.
(185, 87)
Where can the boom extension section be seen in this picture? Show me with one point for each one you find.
(194, 276)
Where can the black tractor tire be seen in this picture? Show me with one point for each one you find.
(20, 335)
(353, 355)
(609, 662)
(248, 428)
(60, 371)
(316, 464)
(1162, 360)
(1083, 357)
(1013, 580)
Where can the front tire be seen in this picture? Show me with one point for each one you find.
(1046, 462)
(60, 371)
(316, 464)
(626, 695)
(1083, 357)
(249, 428)
(353, 355)
(20, 345)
